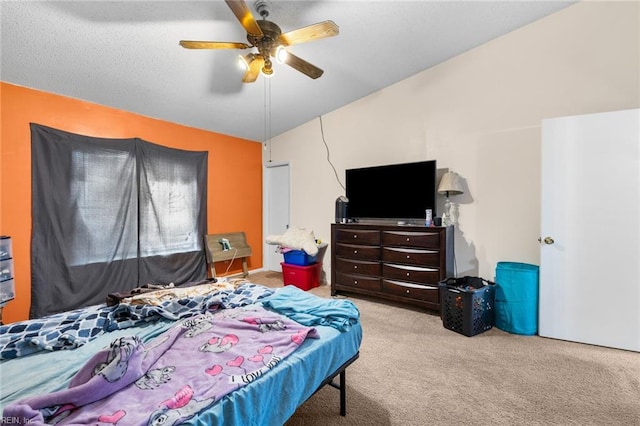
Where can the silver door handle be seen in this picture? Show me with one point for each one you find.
(547, 240)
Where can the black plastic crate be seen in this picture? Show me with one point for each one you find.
(467, 305)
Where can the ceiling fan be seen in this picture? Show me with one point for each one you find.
(269, 40)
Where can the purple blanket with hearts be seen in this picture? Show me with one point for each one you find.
(170, 379)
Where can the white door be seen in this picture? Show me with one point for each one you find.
(589, 265)
(277, 208)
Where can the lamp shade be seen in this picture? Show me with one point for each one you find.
(450, 184)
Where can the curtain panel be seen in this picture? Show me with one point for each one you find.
(109, 215)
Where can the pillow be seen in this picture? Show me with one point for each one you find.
(296, 238)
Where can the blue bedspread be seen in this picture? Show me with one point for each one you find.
(73, 329)
(310, 310)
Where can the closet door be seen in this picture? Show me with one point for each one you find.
(276, 210)
(589, 270)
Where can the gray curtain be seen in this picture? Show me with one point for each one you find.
(109, 215)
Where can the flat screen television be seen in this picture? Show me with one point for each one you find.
(392, 192)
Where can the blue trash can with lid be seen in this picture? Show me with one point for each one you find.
(516, 299)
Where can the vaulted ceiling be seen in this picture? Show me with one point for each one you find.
(125, 54)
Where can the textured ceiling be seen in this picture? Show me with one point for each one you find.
(125, 54)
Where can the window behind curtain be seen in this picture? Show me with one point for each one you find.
(103, 189)
(110, 215)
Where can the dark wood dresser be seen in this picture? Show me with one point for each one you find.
(399, 263)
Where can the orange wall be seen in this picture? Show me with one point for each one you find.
(234, 196)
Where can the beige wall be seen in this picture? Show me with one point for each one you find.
(478, 114)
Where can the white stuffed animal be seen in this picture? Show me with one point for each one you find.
(296, 238)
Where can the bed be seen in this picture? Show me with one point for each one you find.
(247, 355)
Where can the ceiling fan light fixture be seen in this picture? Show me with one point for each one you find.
(269, 40)
(281, 54)
(267, 68)
(245, 60)
(267, 72)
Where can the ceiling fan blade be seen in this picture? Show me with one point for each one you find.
(312, 32)
(242, 12)
(191, 44)
(254, 70)
(303, 66)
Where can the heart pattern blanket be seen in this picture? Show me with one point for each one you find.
(173, 377)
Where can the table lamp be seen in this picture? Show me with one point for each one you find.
(449, 185)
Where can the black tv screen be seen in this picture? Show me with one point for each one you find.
(395, 191)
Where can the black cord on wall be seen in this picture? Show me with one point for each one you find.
(328, 156)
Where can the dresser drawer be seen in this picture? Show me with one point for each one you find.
(358, 236)
(424, 239)
(414, 291)
(364, 267)
(353, 251)
(358, 281)
(411, 256)
(410, 273)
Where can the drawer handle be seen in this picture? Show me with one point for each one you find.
(408, 257)
(408, 291)
(355, 236)
(355, 252)
(355, 282)
(408, 239)
(408, 273)
(355, 266)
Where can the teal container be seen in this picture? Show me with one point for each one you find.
(516, 300)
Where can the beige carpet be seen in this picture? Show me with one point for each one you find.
(413, 371)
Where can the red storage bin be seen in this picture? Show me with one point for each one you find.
(303, 277)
